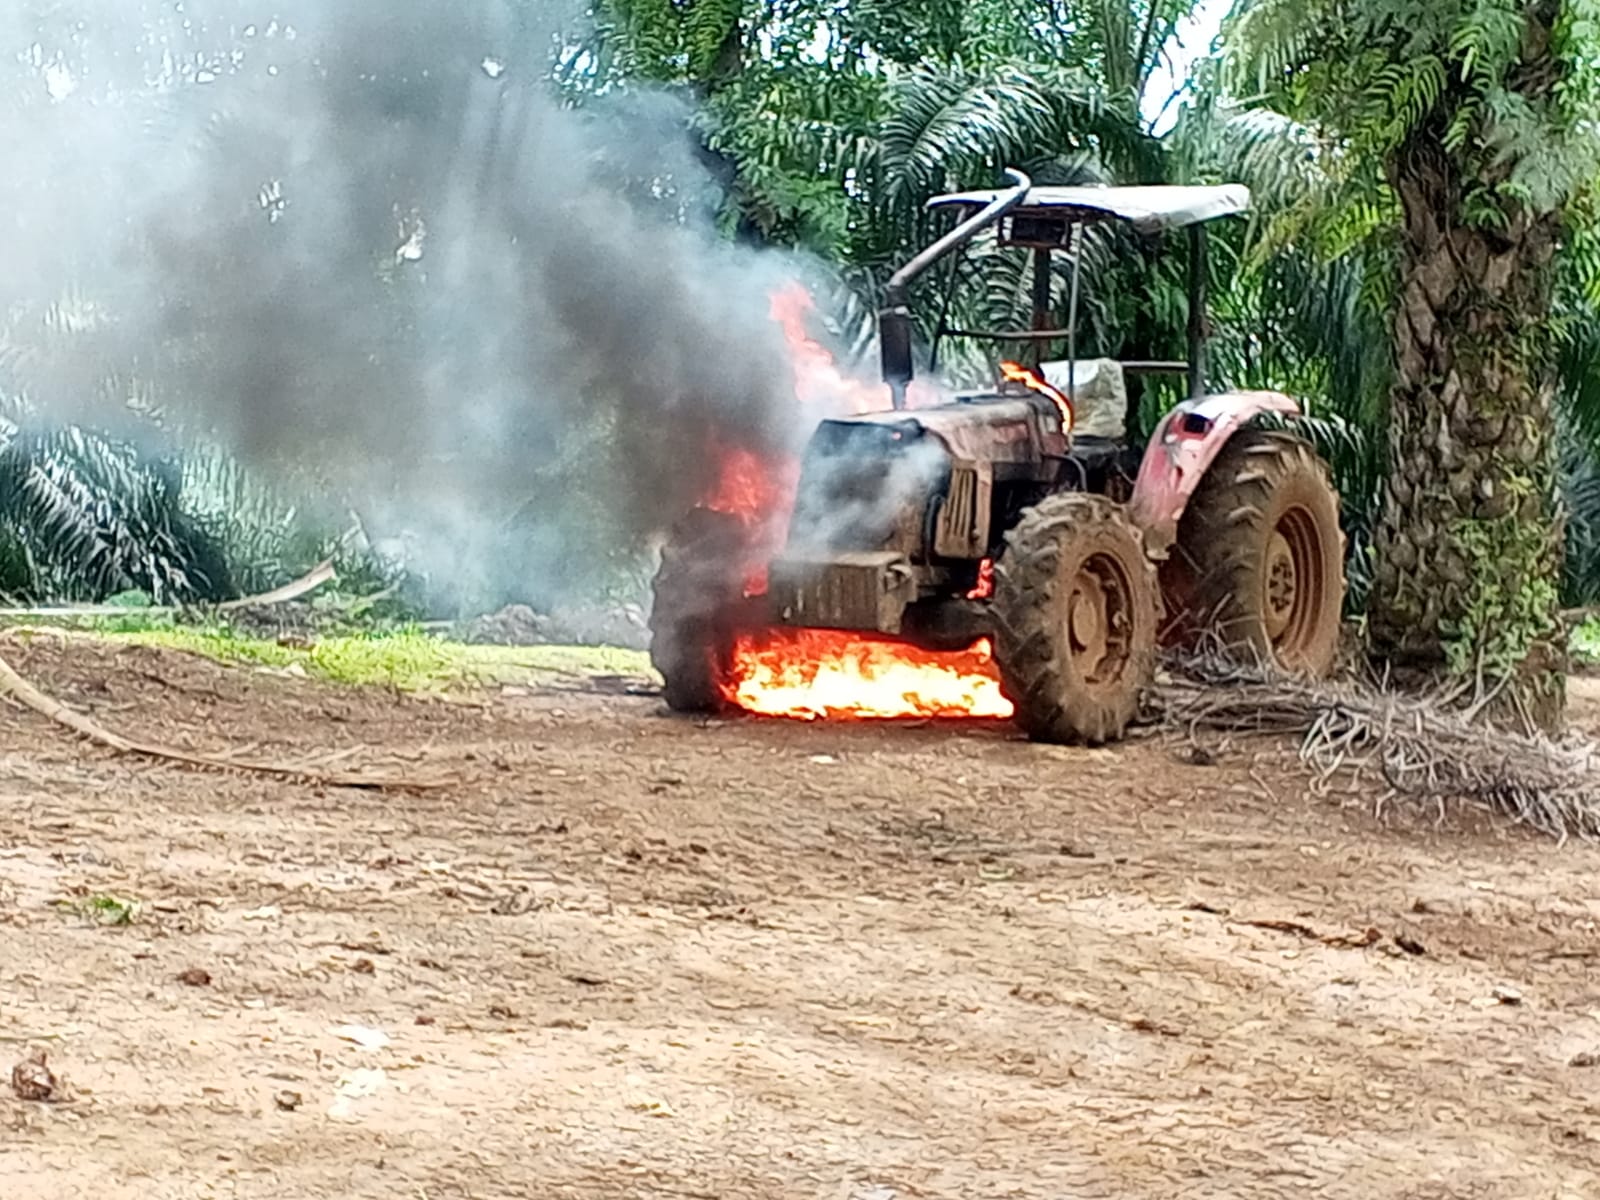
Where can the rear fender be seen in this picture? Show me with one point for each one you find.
(1182, 450)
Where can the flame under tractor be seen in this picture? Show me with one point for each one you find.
(1021, 514)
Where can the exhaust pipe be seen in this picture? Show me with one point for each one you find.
(894, 318)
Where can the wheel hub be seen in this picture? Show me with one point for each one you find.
(1282, 585)
(1087, 619)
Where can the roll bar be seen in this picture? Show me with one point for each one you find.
(1148, 209)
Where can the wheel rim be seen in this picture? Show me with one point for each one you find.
(1100, 620)
(1293, 584)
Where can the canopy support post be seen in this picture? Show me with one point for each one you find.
(1197, 311)
(1072, 312)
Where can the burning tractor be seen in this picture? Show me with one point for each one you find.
(1020, 518)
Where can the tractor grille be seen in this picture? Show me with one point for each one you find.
(963, 526)
(848, 591)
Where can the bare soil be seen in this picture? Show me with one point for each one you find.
(629, 955)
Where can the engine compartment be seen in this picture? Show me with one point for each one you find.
(898, 513)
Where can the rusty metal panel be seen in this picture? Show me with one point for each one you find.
(963, 526)
(1002, 429)
(865, 591)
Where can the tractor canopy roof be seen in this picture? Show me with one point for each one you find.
(1152, 209)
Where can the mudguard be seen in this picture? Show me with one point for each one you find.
(1182, 449)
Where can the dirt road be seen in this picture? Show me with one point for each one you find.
(633, 956)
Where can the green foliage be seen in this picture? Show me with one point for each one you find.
(1492, 103)
(1511, 601)
(1586, 643)
(1575, 331)
(266, 537)
(404, 659)
(1378, 72)
(83, 516)
(1580, 489)
(102, 909)
(1371, 81)
(663, 41)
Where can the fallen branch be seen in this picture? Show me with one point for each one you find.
(1423, 748)
(13, 684)
(322, 573)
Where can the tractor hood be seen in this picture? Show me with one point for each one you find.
(987, 428)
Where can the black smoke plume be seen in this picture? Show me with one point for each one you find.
(373, 244)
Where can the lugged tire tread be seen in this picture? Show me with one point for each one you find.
(696, 583)
(1219, 537)
(1052, 705)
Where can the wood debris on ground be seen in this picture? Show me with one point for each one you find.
(1434, 750)
(34, 1082)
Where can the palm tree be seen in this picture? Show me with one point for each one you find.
(83, 517)
(1460, 134)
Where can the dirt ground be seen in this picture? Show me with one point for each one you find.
(627, 955)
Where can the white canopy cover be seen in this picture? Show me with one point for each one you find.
(1149, 209)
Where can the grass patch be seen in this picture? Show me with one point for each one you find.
(407, 660)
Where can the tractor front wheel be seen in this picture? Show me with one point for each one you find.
(697, 589)
(1259, 561)
(1075, 620)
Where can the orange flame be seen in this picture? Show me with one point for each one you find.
(756, 489)
(821, 387)
(814, 674)
(759, 488)
(1017, 373)
(760, 492)
(985, 588)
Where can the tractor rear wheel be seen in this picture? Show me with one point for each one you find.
(1075, 620)
(1259, 560)
(697, 588)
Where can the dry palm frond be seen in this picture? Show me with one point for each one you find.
(1431, 749)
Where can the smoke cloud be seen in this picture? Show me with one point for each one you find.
(367, 243)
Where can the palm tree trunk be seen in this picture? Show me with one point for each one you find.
(1469, 545)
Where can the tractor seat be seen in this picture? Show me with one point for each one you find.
(1099, 395)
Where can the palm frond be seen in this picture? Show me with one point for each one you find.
(96, 518)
